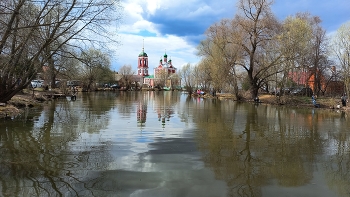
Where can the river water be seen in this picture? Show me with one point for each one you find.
(166, 144)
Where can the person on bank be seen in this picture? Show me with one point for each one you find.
(256, 99)
(314, 101)
(344, 100)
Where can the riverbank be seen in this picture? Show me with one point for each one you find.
(293, 101)
(25, 99)
(19, 102)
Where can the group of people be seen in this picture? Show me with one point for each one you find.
(343, 99)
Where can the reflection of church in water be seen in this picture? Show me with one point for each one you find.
(141, 112)
(163, 106)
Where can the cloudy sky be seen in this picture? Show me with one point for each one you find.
(176, 27)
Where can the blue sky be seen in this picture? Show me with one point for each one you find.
(177, 26)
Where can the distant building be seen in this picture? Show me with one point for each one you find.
(142, 68)
(164, 74)
(164, 67)
(306, 78)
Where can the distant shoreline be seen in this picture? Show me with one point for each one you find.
(16, 105)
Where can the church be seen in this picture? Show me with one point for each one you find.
(164, 74)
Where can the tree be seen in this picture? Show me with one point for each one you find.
(33, 32)
(202, 73)
(127, 75)
(292, 45)
(221, 56)
(248, 41)
(188, 78)
(316, 57)
(175, 80)
(162, 77)
(95, 65)
(256, 44)
(341, 50)
(256, 29)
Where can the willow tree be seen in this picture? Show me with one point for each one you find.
(341, 49)
(220, 54)
(316, 59)
(188, 78)
(265, 43)
(29, 40)
(293, 44)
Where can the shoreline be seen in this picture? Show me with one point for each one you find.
(19, 102)
(290, 101)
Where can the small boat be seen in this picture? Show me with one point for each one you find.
(166, 88)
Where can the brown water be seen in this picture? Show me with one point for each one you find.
(160, 144)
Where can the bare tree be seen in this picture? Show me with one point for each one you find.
(127, 75)
(29, 40)
(256, 29)
(162, 77)
(203, 74)
(188, 78)
(341, 50)
(94, 65)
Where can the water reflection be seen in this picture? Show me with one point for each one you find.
(252, 146)
(42, 158)
(168, 144)
(162, 103)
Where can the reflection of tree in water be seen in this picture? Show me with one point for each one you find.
(124, 100)
(249, 147)
(47, 159)
(338, 165)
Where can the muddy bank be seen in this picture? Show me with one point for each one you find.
(19, 102)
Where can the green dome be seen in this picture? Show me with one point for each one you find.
(143, 54)
(165, 55)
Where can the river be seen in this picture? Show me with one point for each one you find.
(160, 144)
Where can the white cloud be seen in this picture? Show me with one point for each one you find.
(138, 26)
(153, 5)
(133, 21)
(200, 11)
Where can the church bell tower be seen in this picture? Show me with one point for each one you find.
(142, 68)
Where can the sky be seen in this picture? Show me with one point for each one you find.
(176, 27)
